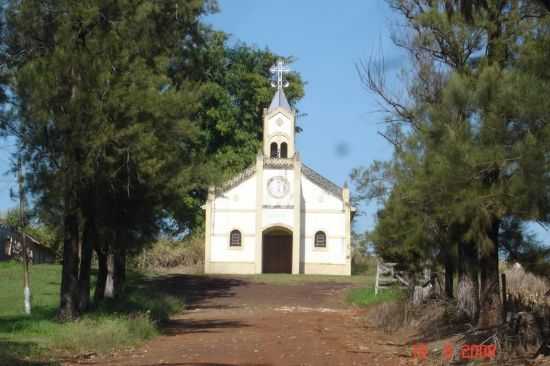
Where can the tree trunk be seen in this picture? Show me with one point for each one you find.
(99, 293)
(120, 259)
(68, 308)
(449, 276)
(120, 270)
(490, 303)
(88, 238)
(468, 285)
(110, 281)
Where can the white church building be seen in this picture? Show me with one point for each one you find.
(278, 215)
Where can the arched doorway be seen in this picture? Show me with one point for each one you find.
(277, 250)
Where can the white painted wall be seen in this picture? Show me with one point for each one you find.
(316, 198)
(279, 128)
(234, 209)
(333, 226)
(279, 123)
(277, 217)
(221, 252)
(240, 197)
(323, 212)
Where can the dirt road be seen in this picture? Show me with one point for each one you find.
(232, 321)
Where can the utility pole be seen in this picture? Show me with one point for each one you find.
(26, 274)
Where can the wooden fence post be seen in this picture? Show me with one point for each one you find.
(377, 277)
(504, 295)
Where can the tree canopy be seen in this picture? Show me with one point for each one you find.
(124, 113)
(472, 142)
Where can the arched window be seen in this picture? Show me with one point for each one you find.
(284, 150)
(235, 238)
(320, 239)
(274, 151)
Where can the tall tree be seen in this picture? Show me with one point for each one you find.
(122, 109)
(92, 100)
(473, 166)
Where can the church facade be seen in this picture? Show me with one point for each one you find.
(278, 215)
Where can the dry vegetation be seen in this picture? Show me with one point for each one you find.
(167, 255)
(526, 287)
(521, 340)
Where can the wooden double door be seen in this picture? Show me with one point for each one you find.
(277, 252)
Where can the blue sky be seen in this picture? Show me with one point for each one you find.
(327, 38)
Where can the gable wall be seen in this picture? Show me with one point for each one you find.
(235, 209)
(316, 198)
(243, 196)
(323, 211)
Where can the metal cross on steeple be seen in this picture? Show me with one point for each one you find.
(278, 70)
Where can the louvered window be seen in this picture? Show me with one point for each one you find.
(320, 239)
(235, 238)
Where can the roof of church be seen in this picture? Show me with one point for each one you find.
(322, 181)
(311, 174)
(279, 101)
(239, 178)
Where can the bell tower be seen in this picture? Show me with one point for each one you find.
(279, 119)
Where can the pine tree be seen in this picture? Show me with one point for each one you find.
(122, 108)
(93, 97)
(479, 134)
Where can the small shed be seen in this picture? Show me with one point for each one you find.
(12, 248)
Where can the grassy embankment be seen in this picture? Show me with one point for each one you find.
(365, 296)
(113, 325)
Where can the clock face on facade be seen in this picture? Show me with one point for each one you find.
(278, 186)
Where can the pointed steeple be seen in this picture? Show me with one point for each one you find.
(279, 101)
(279, 128)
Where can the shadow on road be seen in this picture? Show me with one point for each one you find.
(196, 290)
(209, 364)
(183, 326)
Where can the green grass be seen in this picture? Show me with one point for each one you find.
(289, 279)
(112, 325)
(365, 296)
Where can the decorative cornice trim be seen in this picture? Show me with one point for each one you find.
(278, 163)
(236, 180)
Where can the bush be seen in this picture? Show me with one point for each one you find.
(166, 254)
(363, 264)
